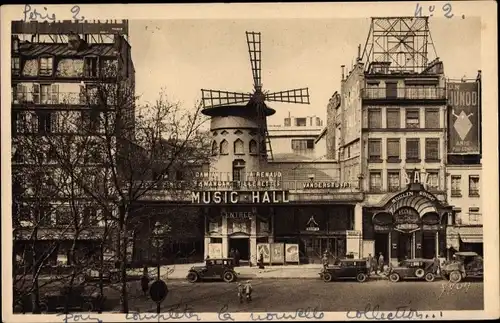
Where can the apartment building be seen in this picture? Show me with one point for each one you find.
(56, 68)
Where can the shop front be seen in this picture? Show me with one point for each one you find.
(412, 224)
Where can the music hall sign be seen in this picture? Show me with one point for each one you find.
(235, 197)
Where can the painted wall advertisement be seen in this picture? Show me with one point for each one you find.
(292, 252)
(215, 250)
(277, 253)
(265, 250)
(464, 118)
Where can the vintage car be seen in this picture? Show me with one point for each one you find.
(77, 298)
(213, 269)
(413, 269)
(346, 269)
(467, 264)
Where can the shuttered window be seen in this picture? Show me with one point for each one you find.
(393, 119)
(375, 181)
(393, 180)
(374, 119)
(374, 149)
(432, 149)
(393, 148)
(432, 118)
(413, 149)
(412, 119)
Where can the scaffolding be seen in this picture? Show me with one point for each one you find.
(399, 44)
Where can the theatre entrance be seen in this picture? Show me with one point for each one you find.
(405, 246)
(242, 244)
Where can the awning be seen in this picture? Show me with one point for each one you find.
(471, 234)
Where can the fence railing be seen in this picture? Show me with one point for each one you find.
(61, 98)
(405, 93)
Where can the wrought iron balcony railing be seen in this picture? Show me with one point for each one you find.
(404, 93)
(58, 98)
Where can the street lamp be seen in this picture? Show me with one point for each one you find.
(159, 288)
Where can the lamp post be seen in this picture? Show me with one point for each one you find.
(159, 232)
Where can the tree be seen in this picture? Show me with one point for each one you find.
(120, 144)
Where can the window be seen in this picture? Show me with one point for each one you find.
(432, 180)
(46, 66)
(36, 93)
(93, 154)
(253, 147)
(238, 170)
(455, 186)
(375, 181)
(413, 149)
(393, 180)
(300, 122)
(302, 144)
(109, 67)
(432, 118)
(224, 147)
(16, 66)
(412, 119)
(375, 149)
(63, 215)
(319, 122)
(393, 149)
(374, 119)
(91, 121)
(391, 90)
(474, 215)
(45, 120)
(89, 216)
(239, 148)
(474, 185)
(288, 122)
(46, 93)
(431, 149)
(90, 66)
(393, 119)
(214, 148)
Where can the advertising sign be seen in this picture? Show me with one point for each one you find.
(463, 118)
(215, 250)
(292, 252)
(277, 253)
(264, 249)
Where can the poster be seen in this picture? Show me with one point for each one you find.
(264, 248)
(292, 252)
(277, 253)
(215, 250)
(464, 118)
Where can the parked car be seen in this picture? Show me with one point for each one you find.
(77, 298)
(413, 269)
(346, 269)
(213, 269)
(466, 264)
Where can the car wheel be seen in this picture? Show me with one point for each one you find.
(228, 277)
(327, 277)
(429, 277)
(361, 277)
(394, 277)
(44, 307)
(455, 276)
(192, 277)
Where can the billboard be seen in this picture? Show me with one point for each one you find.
(464, 122)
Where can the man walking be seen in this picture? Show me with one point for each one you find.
(145, 280)
(237, 257)
(370, 262)
(240, 292)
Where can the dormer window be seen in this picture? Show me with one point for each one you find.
(90, 66)
(46, 66)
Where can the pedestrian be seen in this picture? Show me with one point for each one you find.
(261, 260)
(240, 292)
(145, 280)
(370, 262)
(248, 291)
(237, 257)
(381, 262)
(324, 260)
(231, 253)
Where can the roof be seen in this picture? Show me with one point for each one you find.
(323, 132)
(466, 253)
(36, 49)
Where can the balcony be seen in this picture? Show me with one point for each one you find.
(59, 98)
(404, 93)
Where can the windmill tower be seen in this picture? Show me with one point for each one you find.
(241, 118)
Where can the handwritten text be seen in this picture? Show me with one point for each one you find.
(79, 317)
(174, 313)
(448, 288)
(402, 312)
(301, 313)
(31, 14)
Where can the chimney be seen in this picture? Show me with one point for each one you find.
(359, 53)
(343, 74)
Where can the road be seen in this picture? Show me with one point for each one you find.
(290, 294)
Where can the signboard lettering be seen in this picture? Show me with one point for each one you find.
(312, 225)
(330, 185)
(463, 118)
(233, 197)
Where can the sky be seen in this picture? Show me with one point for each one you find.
(180, 57)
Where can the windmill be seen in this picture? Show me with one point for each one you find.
(214, 99)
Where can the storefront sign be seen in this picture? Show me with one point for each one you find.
(381, 228)
(326, 185)
(312, 225)
(233, 197)
(463, 118)
(215, 250)
(248, 180)
(292, 252)
(417, 176)
(406, 219)
(430, 227)
(236, 215)
(406, 227)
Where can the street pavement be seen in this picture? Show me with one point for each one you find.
(291, 294)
